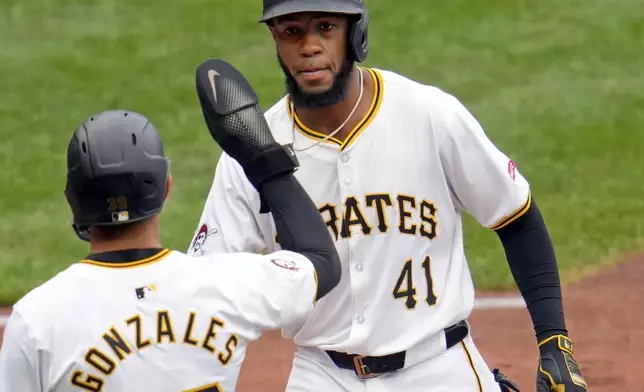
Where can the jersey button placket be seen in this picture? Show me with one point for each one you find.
(344, 158)
(358, 280)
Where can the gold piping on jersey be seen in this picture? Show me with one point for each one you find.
(373, 109)
(317, 286)
(306, 131)
(362, 124)
(514, 215)
(469, 359)
(215, 387)
(136, 263)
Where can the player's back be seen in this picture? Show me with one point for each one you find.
(165, 323)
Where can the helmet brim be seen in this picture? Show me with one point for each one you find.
(325, 6)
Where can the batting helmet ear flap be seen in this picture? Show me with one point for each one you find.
(358, 37)
(82, 231)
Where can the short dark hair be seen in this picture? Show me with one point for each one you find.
(114, 231)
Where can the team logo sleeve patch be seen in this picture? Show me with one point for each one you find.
(512, 167)
(197, 246)
(290, 265)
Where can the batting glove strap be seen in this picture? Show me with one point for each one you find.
(558, 370)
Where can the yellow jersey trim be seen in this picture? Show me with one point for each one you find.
(471, 363)
(317, 286)
(306, 131)
(136, 263)
(514, 215)
(215, 387)
(362, 124)
(371, 113)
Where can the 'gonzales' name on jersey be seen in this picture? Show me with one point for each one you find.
(104, 362)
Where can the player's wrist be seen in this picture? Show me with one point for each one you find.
(544, 335)
(270, 163)
(559, 342)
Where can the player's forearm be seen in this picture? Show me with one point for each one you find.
(533, 264)
(300, 228)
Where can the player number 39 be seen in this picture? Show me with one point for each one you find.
(405, 287)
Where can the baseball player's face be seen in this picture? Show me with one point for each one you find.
(311, 47)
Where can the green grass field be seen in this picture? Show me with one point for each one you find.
(557, 85)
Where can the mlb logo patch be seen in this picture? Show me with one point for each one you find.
(142, 292)
(122, 216)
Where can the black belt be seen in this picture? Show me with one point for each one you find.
(368, 367)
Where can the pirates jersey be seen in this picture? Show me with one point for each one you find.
(392, 194)
(165, 323)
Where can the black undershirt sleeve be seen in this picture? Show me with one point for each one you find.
(531, 258)
(301, 229)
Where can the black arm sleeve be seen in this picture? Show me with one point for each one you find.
(531, 258)
(300, 228)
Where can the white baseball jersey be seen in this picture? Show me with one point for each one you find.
(392, 195)
(166, 323)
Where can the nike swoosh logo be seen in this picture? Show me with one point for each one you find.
(211, 77)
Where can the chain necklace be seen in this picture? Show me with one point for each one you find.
(330, 135)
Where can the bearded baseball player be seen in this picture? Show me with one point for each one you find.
(392, 164)
(135, 316)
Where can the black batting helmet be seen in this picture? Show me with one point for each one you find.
(116, 171)
(357, 32)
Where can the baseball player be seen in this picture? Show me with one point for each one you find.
(392, 164)
(135, 316)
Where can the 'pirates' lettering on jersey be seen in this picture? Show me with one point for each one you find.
(415, 217)
(118, 344)
(411, 216)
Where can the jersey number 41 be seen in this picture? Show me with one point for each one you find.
(406, 280)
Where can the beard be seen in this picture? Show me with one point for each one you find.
(331, 97)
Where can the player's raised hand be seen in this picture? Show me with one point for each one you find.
(235, 120)
(558, 370)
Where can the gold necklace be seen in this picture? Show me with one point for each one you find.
(327, 137)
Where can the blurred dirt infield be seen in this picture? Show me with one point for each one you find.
(605, 316)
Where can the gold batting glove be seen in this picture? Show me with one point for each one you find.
(558, 370)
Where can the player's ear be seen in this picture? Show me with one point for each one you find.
(168, 185)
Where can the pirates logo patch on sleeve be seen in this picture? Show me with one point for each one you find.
(286, 264)
(512, 168)
(196, 248)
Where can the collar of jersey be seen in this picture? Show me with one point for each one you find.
(126, 258)
(355, 132)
